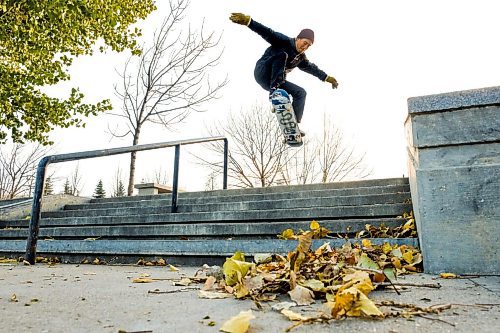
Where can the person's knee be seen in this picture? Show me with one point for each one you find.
(301, 92)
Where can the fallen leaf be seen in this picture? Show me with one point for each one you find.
(314, 225)
(239, 323)
(213, 294)
(142, 280)
(183, 282)
(366, 262)
(314, 285)
(294, 316)
(283, 306)
(301, 295)
(173, 268)
(260, 258)
(235, 269)
(209, 283)
(13, 298)
(288, 234)
(448, 276)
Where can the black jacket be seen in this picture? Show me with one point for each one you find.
(282, 43)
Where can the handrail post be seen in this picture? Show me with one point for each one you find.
(176, 179)
(224, 182)
(36, 211)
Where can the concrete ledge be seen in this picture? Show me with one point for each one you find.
(454, 171)
(49, 203)
(454, 100)
(152, 188)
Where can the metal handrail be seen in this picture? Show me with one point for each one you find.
(45, 161)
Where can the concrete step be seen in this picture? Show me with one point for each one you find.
(201, 198)
(345, 212)
(155, 207)
(199, 230)
(271, 190)
(205, 248)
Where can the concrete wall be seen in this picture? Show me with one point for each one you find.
(454, 169)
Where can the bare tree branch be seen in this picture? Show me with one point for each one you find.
(169, 80)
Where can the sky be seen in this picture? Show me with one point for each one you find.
(381, 53)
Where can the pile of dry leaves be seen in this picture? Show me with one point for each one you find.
(342, 278)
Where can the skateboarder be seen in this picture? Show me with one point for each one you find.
(284, 54)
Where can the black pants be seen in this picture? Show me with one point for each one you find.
(270, 74)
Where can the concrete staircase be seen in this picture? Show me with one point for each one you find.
(211, 225)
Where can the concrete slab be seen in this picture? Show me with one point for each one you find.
(90, 298)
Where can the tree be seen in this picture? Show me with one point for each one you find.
(257, 152)
(18, 169)
(38, 42)
(67, 188)
(76, 181)
(169, 81)
(336, 159)
(118, 187)
(258, 157)
(99, 191)
(48, 187)
(120, 191)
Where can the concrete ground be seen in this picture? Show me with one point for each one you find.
(91, 298)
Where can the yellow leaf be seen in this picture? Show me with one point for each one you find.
(7, 261)
(386, 248)
(366, 243)
(287, 234)
(301, 295)
(314, 225)
(359, 280)
(294, 316)
(142, 280)
(448, 276)
(239, 323)
(173, 268)
(213, 294)
(408, 257)
(235, 270)
(183, 282)
(241, 290)
(353, 303)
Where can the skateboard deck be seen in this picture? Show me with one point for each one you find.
(282, 106)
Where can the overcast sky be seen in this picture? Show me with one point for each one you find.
(381, 52)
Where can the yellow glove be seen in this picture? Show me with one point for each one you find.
(331, 79)
(240, 18)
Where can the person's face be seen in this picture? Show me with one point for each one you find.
(302, 44)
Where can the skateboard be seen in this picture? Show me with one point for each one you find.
(282, 106)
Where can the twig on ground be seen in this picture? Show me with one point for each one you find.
(406, 284)
(172, 291)
(436, 319)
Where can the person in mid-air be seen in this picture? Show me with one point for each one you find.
(284, 54)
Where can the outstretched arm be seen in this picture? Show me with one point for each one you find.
(269, 35)
(312, 69)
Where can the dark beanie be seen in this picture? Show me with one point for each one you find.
(306, 33)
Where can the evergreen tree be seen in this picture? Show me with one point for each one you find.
(99, 191)
(120, 191)
(48, 188)
(67, 188)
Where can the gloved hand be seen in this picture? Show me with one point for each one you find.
(240, 18)
(331, 79)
